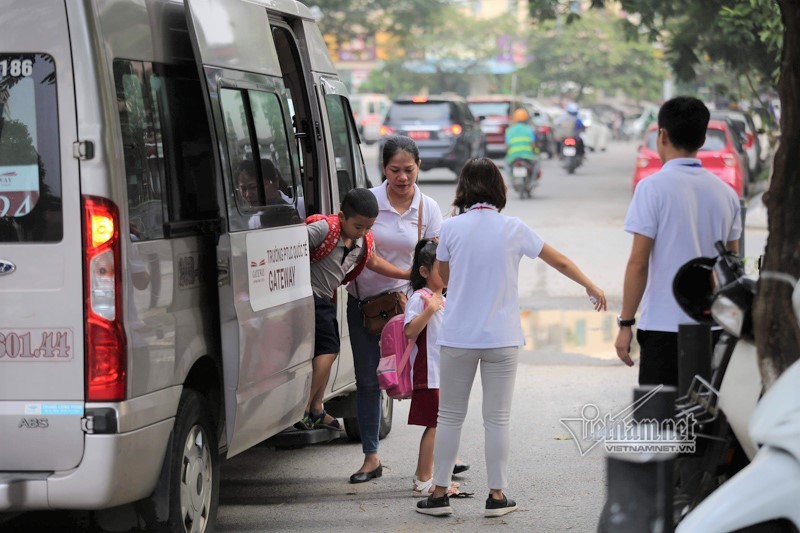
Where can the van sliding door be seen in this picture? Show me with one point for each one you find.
(266, 308)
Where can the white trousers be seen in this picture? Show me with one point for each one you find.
(457, 373)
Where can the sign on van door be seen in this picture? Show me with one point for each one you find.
(278, 263)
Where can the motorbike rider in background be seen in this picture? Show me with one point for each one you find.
(521, 142)
(570, 125)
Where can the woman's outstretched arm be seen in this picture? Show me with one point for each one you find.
(564, 264)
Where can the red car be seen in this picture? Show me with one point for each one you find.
(496, 111)
(719, 155)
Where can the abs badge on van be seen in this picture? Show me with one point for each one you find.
(6, 267)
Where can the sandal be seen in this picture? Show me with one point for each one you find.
(425, 489)
(318, 421)
(305, 422)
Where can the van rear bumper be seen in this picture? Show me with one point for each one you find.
(115, 469)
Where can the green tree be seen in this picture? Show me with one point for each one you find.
(17, 147)
(744, 35)
(461, 47)
(561, 56)
(393, 79)
(444, 60)
(347, 19)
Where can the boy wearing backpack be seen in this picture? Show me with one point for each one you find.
(341, 246)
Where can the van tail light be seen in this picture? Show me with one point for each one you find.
(386, 130)
(750, 139)
(729, 160)
(106, 345)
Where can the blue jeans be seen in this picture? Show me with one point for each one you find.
(366, 354)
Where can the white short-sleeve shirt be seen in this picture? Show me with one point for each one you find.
(484, 249)
(685, 209)
(396, 236)
(414, 307)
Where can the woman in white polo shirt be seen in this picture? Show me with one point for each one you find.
(396, 231)
(478, 258)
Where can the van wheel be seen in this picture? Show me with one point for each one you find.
(352, 430)
(194, 476)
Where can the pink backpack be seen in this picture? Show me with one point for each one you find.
(394, 368)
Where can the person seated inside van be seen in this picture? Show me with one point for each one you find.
(339, 253)
(246, 177)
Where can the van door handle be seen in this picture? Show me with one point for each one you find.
(223, 272)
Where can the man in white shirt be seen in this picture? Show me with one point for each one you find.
(675, 215)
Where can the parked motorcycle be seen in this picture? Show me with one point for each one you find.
(721, 407)
(765, 495)
(570, 156)
(525, 175)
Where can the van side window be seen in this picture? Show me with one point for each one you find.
(166, 144)
(349, 168)
(256, 132)
(30, 170)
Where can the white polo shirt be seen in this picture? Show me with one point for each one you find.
(685, 209)
(395, 238)
(484, 249)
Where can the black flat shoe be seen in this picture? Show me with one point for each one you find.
(361, 477)
(460, 467)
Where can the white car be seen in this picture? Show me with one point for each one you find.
(596, 135)
(369, 110)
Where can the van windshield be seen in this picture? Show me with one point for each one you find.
(30, 175)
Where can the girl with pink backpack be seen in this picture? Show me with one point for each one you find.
(423, 318)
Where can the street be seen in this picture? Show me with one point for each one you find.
(568, 362)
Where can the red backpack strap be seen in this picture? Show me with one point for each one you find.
(369, 242)
(331, 239)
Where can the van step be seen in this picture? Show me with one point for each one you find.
(299, 438)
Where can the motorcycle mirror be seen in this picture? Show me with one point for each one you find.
(796, 302)
(693, 287)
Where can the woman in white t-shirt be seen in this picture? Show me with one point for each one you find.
(478, 259)
(396, 231)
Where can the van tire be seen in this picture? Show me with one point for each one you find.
(194, 443)
(353, 431)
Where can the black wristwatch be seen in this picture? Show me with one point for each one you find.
(625, 323)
